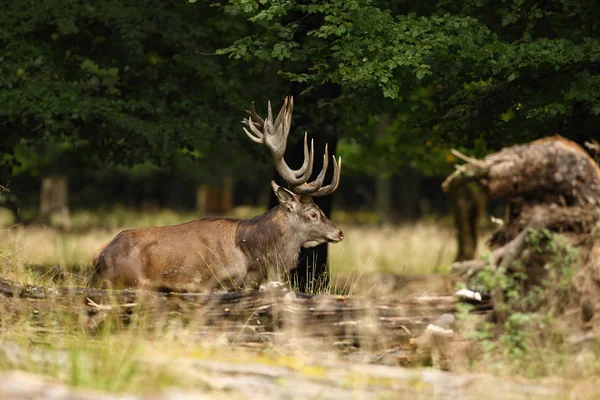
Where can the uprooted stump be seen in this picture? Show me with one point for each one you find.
(548, 245)
(383, 330)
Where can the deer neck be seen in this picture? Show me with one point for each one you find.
(269, 240)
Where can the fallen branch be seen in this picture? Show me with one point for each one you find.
(246, 317)
(551, 165)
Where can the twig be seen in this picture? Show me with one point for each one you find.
(593, 146)
(460, 168)
(92, 303)
(468, 159)
(406, 330)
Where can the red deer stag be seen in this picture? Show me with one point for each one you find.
(223, 253)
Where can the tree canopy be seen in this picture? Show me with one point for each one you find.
(155, 81)
(122, 83)
(477, 74)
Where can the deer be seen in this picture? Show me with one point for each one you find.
(216, 253)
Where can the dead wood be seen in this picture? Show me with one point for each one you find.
(580, 220)
(551, 184)
(468, 205)
(245, 318)
(549, 167)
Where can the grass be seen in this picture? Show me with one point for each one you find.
(145, 357)
(44, 255)
(142, 360)
(415, 249)
(111, 363)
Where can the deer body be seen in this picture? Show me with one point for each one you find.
(208, 253)
(215, 253)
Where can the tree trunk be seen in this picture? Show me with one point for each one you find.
(349, 323)
(383, 181)
(227, 195)
(211, 200)
(383, 199)
(408, 192)
(468, 203)
(9, 200)
(54, 207)
(205, 200)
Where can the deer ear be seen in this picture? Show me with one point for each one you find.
(285, 197)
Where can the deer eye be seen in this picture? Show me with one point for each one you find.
(313, 214)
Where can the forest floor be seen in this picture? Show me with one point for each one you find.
(167, 360)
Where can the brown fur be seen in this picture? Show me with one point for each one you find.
(96, 254)
(215, 252)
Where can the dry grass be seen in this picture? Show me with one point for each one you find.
(40, 254)
(416, 249)
(120, 362)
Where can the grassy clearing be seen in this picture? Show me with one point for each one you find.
(147, 356)
(142, 360)
(416, 249)
(44, 255)
(120, 362)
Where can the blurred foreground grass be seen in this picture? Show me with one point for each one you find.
(150, 355)
(37, 254)
(144, 357)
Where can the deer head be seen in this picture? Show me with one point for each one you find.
(300, 210)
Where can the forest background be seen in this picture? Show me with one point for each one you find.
(137, 105)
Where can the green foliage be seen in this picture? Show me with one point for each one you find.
(150, 81)
(531, 300)
(495, 73)
(123, 83)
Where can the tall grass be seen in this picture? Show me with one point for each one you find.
(414, 249)
(144, 358)
(43, 255)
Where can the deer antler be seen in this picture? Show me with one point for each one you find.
(274, 135)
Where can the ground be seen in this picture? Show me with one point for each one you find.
(170, 357)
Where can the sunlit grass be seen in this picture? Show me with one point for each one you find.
(138, 360)
(36, 254)
(415, 249)
(147, 356)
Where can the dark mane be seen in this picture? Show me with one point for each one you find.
(254, 235)
(256, 220)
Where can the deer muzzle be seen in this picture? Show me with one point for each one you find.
(336, 237)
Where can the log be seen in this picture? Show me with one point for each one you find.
(549, 168)
(551, 184)
(245, 318)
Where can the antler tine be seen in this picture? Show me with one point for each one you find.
(307, 166)
(269, 121)
(337, 170)
(285, 114)
(256, 135)
(254, 115)
(274, 135)
(314, 186)
(299, 176)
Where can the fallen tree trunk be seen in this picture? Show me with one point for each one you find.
(549, 170)
(551, 185)
(247, 318)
